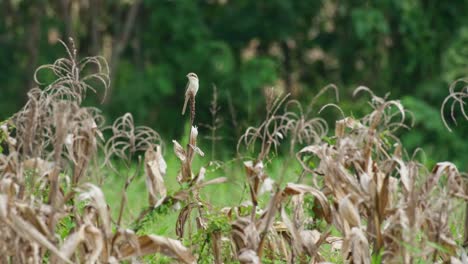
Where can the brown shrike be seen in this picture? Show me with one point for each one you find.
(191, 89)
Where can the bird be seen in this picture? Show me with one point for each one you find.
(191, 89)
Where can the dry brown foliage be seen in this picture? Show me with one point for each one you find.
(457, 98)
(45, 176)
(361, 187)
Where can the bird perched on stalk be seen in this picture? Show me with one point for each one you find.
(191, 89)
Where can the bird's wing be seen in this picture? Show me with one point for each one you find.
(187, 86)
(185, 104)
(186, 97)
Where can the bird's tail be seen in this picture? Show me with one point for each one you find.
(185, 104)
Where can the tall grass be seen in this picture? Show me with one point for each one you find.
(357, 196)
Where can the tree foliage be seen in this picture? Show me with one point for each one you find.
(410, 48)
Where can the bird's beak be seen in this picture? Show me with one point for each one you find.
(186, 75)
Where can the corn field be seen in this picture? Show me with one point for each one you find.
(359, 196)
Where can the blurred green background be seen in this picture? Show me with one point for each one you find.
(412, 49)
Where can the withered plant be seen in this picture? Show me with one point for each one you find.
(381, 203)
(359, 192)
(457, 99)
(54, 148)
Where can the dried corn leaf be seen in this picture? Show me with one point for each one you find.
(33, 218)
(155, 168)
(296, 241)
(3, 206)
(179, 151)
(455, 182)
(184, 215)
(248, 256)
(356, 247)
(72, 242)
(335, 242)
(28, 232)
(404, 175)
(98, 201)
(349, 212)
(151, 244)
(295, 189)
(245, 234)
(213, 181)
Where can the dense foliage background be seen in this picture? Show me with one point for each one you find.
(412, 49)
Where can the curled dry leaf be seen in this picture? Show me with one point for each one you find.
(42, 167)
(151, 244)
(248, 256)
(155, 168)
(185, 173)
(349, 213)
(97, 200)
(455, 181)
(335, 242)
(347, 122)
(127, 139)
(404, 175)
(184, 215)
(356, 247)
(3, 206)
(197, 150)
(213, 181)
(29, 233)
(179, 151)
(297, 243)
(245, 234)
(295, 189)
(193, 144)
(200, 176)
(255, 170)
(86, 234)
(72, 242)
(255, 177)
